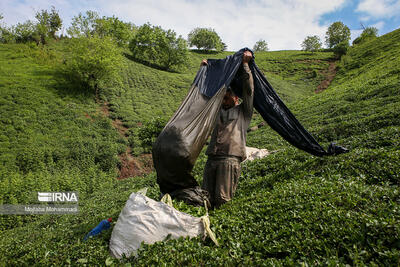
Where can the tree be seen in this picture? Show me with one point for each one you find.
(120, 31)
(370, 32)
(6, 34)
(26, 32)
(173, 50)
(205, 38)
(367, 34)
(55, 22)
(91, 24)
(42, 25)
(260, 45)
(337, 32)
(156, 46)
(311, 43)
(83, 25)
(93, 62)
(48, 24)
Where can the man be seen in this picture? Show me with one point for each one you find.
(227, 147)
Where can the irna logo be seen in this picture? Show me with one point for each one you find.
(58, 196)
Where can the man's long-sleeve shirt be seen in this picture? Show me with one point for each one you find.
(229, 135)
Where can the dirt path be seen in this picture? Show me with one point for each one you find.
(130, 166)
(329, 74)
(134, 166)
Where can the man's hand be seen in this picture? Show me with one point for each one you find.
(204, 62)
(247, 56)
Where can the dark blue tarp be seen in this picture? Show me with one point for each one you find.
(266, 102)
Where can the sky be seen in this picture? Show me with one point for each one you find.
(240, 23)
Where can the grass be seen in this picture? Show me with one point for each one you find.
(290, 208)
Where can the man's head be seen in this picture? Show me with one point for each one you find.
(230, 99)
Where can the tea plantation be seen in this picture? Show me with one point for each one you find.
(291, 208)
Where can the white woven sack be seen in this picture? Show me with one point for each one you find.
(253, 153)
(145, 220)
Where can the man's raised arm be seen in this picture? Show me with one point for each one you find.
(248, 86)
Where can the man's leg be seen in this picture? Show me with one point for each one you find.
(209, 180)
(227, 177)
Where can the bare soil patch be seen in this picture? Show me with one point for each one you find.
(329, 74)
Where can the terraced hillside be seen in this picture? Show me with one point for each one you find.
(149, 92)
(290, 208)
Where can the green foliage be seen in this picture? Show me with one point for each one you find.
(159, 47)
(43, 18)
(224, 46)
(337, 33)
(92, 62)
(20, 33)
(149, 132)
(118, 30)
(290, 208)
(48, 145)
(311, 43)
(370, 32)
(54, 22)
(142, 137)
(83, 25)
(7, 34)
(205, 38)
(26, 32)
(294, 74)
(341, 49)
(260, 46)
(48, 24)
(367, 34)
(90, 25)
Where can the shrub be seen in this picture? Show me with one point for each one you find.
(26, 32)
(149, 132)
(367, 34)
(7, 35)
(341, 49)
(93, 62)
